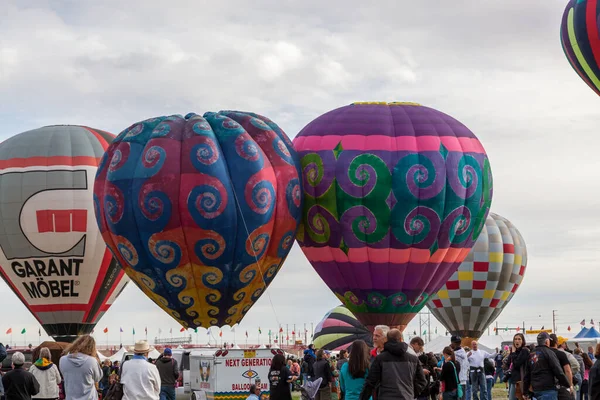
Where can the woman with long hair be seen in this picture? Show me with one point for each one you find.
(47, 376)
(587, 364)
(354, 372)
(519, 354)
(280, 378)
(449, 375)
(81, 369)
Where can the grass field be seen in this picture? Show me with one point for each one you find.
(498, 393)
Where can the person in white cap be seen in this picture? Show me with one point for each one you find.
(140, 379)
(19, 384)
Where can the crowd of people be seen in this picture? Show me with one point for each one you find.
(393, 369)
(80, 375)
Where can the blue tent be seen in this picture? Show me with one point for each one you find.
(582, 333)
(592, 333)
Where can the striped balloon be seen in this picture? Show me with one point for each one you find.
(339, 329)
(485, 282)
(580, 40)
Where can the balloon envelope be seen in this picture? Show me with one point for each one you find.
(395, 196)
(580, 40)
(485, 282)
(51, 252)
(339, 329)
(200, 211)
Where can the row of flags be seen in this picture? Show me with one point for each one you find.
(9, 331)
(105, 330)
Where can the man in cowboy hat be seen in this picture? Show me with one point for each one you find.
(140, 378)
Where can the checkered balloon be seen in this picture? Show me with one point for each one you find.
(485, 282)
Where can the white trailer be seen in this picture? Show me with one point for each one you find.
(229, 373)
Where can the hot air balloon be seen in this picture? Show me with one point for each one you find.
(580, 40)
(51, 252)
(395, 195)
(339, 329)
(485, 282)
(201, 212)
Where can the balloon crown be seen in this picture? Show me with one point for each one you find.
(384, 103)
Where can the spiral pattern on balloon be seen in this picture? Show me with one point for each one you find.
(127, 251)
(240, 295)
(161, 129)
(119, 159)
(282, 150)
(153, 204)
(212, 277)
(165, 251)
(260, 124)
(257, 293)
(420, 228)
(230, 124)
(209, 249)
(456, 227)
(149, 283)
(176, 280)
(425, 174)
(154, 158)
(464, 174)
(258, 245)
(213, 298)
(312, 169)
(358, 222)
(247, 148)
(352, 298)
(361, 176)
(293, 194)
(375, 300)
(318, 226)
(260, 196)
(421, 299)
(134, 130)
(399, 300)
(271, 271)
(188, 301)
(201, 127)
(210, 201)
(285, 244)
(113, 203)
(206, 152)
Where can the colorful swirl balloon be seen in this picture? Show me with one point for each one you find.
(485, 282)
(580, 39)
(395, 195)
(200, 210)
(339, 329)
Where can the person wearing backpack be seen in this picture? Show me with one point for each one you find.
(450, 388)
(169, 372)
(489, 370)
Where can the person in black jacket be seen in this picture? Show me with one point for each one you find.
(395, 373)
(19, 384)
(542, 371)
(169, 372)
(322, 369)
(516, 360)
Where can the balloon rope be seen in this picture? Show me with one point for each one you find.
(237, 203)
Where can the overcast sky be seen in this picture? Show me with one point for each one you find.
(495, 65)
